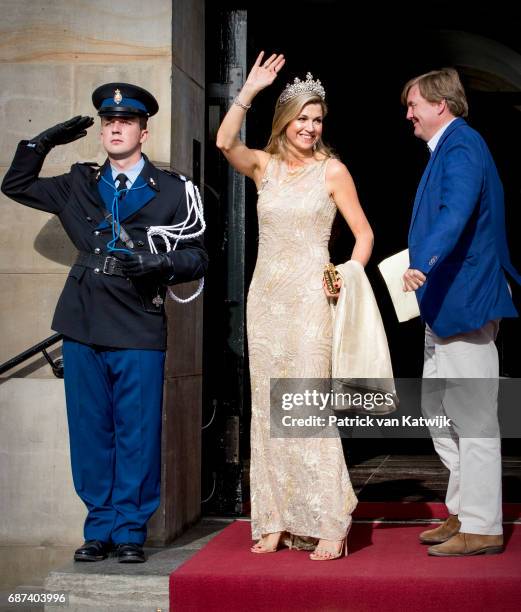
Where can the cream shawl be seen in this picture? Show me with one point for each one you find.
(360, 349)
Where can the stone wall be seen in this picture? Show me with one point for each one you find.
(41, 517)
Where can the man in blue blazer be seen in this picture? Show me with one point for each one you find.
(458, 259)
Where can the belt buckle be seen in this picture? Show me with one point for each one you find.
(109, 265)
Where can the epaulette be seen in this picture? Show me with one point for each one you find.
(93, 169)
(177, 175)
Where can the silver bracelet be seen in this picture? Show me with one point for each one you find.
(239, 103)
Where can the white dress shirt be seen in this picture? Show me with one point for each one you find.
(436, 138)
(131, 173)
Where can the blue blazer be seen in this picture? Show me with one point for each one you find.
(457, 236)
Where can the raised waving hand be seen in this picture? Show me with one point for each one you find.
(250, 162)
(264, 73)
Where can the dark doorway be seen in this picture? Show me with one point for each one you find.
(363, 56)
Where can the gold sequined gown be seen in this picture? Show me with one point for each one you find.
(300, 486)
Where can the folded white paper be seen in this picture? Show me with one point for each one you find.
(392, 269)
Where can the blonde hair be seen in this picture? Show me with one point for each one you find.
(284, 114)
(439, 85)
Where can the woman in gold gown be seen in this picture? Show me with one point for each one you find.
(299, 487)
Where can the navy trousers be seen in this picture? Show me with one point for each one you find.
(114, 400)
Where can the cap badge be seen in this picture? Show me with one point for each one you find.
(117, 97)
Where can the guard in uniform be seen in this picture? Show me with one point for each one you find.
(111, 310)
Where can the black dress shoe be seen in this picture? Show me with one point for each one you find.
(92, 550)
(130, 553)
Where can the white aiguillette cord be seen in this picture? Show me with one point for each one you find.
(174, 233)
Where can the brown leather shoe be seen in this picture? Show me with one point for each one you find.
(445, 531)
(466, 544)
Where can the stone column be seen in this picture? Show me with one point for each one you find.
(181, 482)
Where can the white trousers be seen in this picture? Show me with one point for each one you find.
(474, 489)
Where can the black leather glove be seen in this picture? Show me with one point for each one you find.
(63, 133)
(142, 263)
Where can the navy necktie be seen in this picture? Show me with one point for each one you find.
(122, 178)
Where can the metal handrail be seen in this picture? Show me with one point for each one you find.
(56, 366)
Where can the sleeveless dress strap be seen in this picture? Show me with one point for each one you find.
(324, 167)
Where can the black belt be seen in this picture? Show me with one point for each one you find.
(101, 264)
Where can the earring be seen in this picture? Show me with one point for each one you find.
(315, 145)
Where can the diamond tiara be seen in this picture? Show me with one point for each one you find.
(302, 87)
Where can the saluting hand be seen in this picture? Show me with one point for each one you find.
(62, 133)
(264, 73)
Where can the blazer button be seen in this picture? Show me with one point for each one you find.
(97, 270)
(89, 219)
(97, 233)
(97, 251)
(140, 243)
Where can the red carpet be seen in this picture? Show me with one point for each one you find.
(418, 510)
(387, 570)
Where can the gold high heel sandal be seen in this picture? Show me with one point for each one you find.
(258, 547)
(322, 554)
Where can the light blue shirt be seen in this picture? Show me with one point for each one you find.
(131, 173)
(436, 138)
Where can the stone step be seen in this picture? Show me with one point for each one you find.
(118, 587)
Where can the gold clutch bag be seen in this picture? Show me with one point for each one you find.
(330, 277)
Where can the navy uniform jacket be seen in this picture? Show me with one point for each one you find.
(95, 308)
(457, 236)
